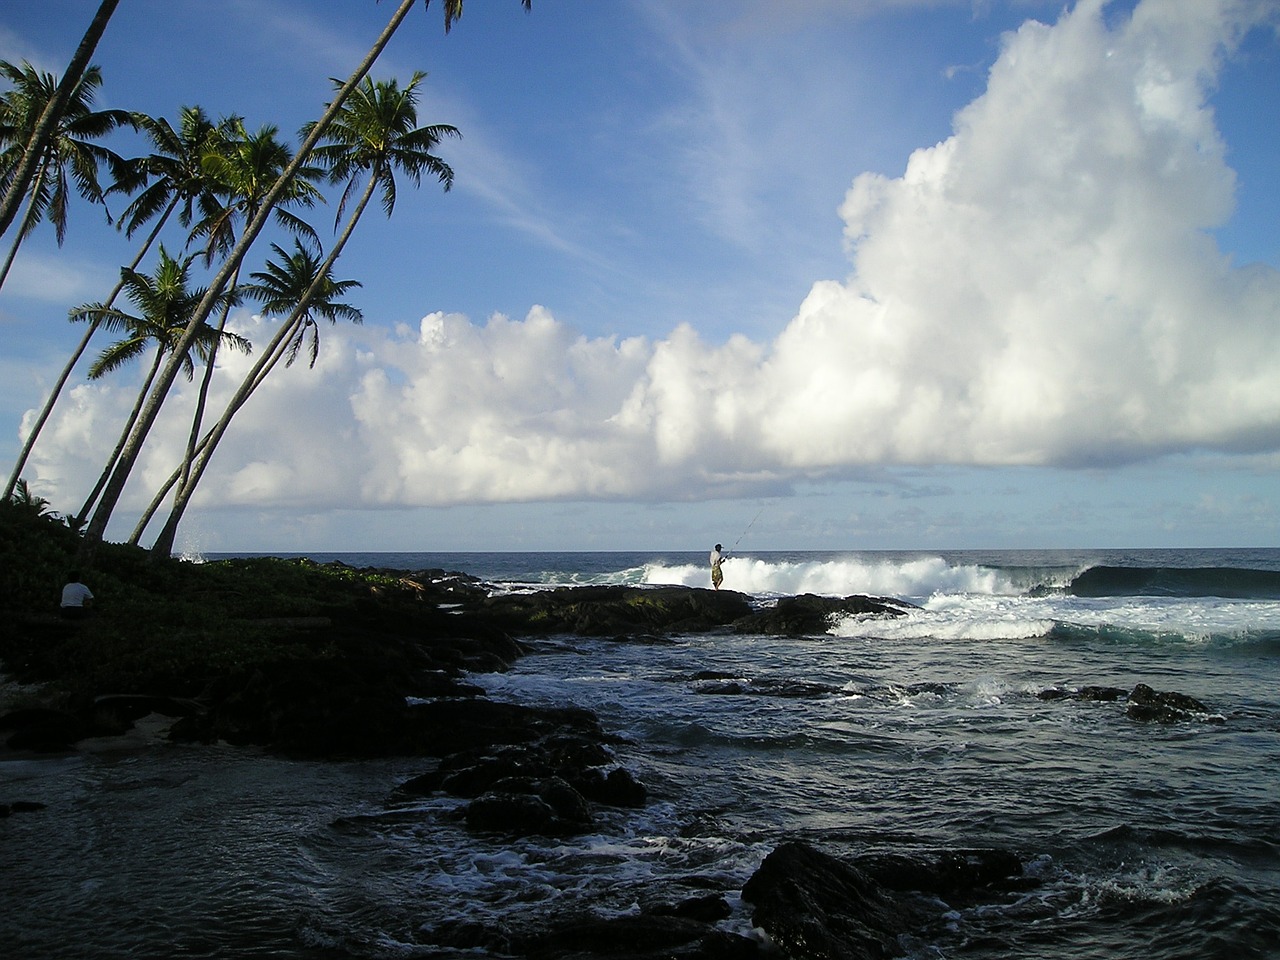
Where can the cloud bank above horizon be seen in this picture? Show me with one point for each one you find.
(1042, 288)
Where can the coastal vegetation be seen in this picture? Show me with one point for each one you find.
(227, 184)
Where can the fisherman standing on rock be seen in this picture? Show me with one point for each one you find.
(717, 575)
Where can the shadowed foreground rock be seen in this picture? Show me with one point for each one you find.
(820, 908)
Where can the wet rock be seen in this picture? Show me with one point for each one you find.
(709, 909)
(617, 788)
(818, 907)
(808, 614)
(956, 876)
(613, 611)
(1150, 705)
(709, 682)
(1100, 694)
(574, 759)
(519, 806)
(118, 712)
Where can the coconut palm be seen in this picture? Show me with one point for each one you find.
(164, 302)
(36, 144)
(70, 157)
(297, 286)
(172, 178)
(246, 168)
(114, 487)
(375, 133)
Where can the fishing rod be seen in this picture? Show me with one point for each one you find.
(745, 532)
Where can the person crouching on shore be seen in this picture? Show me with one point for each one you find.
(76, 598)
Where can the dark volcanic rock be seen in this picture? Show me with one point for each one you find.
(616, 610)
(820, 908)
(1144, 703)
(518, 806)
(1147, 704)
(1102, 694)
(957, 876)
(810, 614)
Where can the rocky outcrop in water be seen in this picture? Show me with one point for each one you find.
(1143, 703)
(811, 904)
(601, 611)
(810, 614)
(545, 787)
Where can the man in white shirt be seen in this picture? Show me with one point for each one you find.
(76, 598)
(717, 576)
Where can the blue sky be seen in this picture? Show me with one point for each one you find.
(881, 273)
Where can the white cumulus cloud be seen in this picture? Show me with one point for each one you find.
(1040, 288)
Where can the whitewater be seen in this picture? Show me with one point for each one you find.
(954, 726)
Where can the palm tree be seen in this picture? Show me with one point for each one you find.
(115, 486)
(245, 168)
(177, 182)
(174, 176)
(300, 287)
(165, 303)
(375, 132)
(53, 112)
(70, 157)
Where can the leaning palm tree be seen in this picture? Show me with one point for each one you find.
(297, 286)
(25, 170)
(70, 158)
(164, 302)
(111, 494)
(375, 133)
(172, 178)
(246, 168)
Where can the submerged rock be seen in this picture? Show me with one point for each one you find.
(811, 614)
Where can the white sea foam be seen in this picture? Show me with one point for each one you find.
(906, 578)
(959, 616)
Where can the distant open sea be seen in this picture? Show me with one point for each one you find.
(1147, 841)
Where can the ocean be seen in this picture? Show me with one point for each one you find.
(927, 732)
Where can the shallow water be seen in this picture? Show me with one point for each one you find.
(1148, 840)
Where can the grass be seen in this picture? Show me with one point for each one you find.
(159, 625)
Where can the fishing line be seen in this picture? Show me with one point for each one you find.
(749, 526)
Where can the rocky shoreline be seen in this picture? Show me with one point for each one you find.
(390, 678)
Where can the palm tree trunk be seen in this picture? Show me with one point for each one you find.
(202, 398)
(266, 362)
(53, 112)
(45, 412)
(115, 486)
(163, 545)
(124, 435)
(28, 221)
